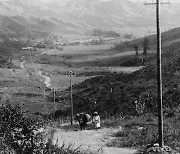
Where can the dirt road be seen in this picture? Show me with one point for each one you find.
(47, 81)
(91, 140)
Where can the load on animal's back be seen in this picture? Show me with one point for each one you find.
(82, 119)
(88, 117)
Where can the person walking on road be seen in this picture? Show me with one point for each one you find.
(96, 120)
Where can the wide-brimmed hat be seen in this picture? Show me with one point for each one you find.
(95, 113)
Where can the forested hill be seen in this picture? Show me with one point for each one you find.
(9, 49)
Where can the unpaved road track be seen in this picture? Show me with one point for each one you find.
(91, 140)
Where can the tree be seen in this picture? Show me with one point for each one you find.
(136, 49)
(17, 131)
(145, 46)
(128, 36)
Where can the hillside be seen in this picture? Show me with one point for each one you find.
(21, 17)
(115, 94)
(169, 39)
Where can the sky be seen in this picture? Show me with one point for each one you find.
(131, 0)
(154, 0)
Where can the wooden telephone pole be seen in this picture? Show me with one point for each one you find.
(72, 112)
(70, 73)
(159, 71)
(44, 93)
(54, 100)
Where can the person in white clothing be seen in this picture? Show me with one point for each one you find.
(96, 120)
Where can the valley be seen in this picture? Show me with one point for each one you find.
(108, 78)
(39, 83)
(60, 58)
(49, 68)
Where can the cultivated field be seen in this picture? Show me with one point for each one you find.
(49, 68)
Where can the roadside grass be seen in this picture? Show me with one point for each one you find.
(63, 149)
(140, 132)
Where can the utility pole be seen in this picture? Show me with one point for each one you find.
(71, 99)
(54, 101)
(44, 90)
(159, 71)
(70, 73)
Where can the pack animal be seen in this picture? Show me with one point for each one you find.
(83, 119)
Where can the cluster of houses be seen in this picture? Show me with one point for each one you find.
(42, 44)
(88, 41)
(58, 44)
(29, 48)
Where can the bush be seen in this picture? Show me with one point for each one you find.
(18, 131)
(50, 148)
(133, 61)
(19, 134)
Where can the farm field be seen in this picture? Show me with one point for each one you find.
(78, 49)
(81, 60)
(49, 68)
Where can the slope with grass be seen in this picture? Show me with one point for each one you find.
(115, 94)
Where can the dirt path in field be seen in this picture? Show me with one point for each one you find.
(91, 140)
(47, 81)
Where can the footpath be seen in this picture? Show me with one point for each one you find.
(90, 141)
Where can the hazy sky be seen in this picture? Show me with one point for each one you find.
(133, 0)
(154, 0)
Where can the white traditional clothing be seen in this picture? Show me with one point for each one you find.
(96, 121)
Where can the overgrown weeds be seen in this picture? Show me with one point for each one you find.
(139, 134)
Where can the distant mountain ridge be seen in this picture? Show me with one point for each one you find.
(80, 15)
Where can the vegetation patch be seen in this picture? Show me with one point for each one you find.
(140, 134)
(133, 61)
(27, 95)
(20, 134)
